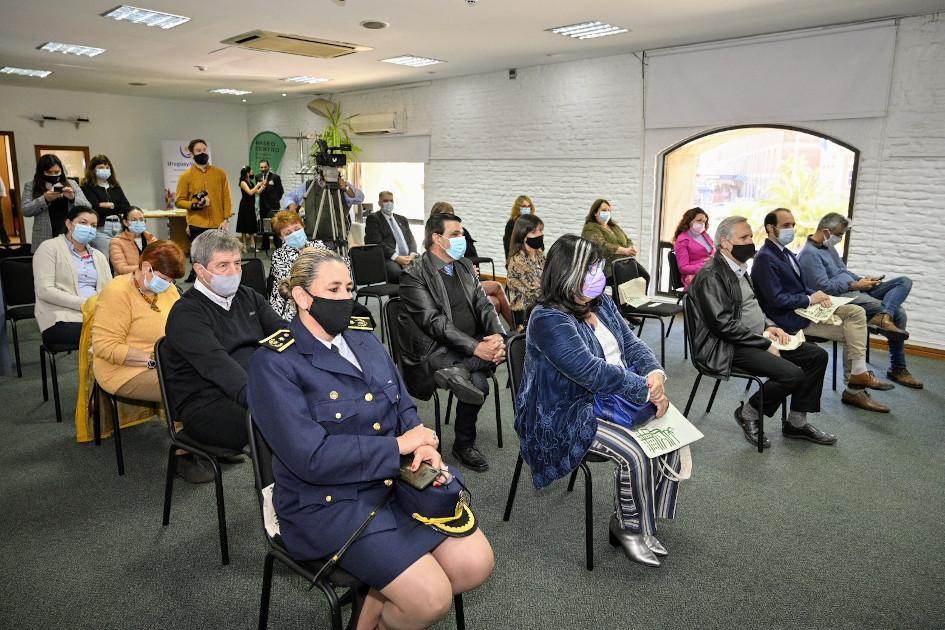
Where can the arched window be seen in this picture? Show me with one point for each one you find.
(751, 170)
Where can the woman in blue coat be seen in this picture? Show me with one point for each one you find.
(578, 345)
(332, 406)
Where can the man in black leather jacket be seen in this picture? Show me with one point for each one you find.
(450, 332)
(727, 328)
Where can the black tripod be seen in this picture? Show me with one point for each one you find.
(331, 224)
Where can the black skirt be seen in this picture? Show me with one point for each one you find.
(246, 217)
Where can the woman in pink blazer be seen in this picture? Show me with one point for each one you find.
(692, 243)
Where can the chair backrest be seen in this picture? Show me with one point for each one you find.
(675, 278)
(626, 269)
(261, 456)
(367, 265)
(691, 326)
(16, 275)
(254, 275)
(170, 408)
(391, 313)
(18, 250)
(515, 358)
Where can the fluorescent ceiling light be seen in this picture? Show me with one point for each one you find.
(412, 60)
(588, 30)
(72, 49)
(146, 16)
(25, 72)
(229, 91)
(309, 80)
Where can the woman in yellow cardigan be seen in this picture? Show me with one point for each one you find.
(600, 228)
(130, 317)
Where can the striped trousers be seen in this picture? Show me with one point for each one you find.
(641, 492)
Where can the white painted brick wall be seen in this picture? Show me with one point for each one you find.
(570, 132)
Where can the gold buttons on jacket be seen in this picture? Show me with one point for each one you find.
(338, 415)
(328, 499)
(333, 395)
(377, 426)
(369, 397)
(388, 482)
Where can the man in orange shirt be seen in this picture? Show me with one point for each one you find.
(204, 192)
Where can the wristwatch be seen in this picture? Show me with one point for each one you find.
(151, 362)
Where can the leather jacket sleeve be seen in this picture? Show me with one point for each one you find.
(717, 308)
(419, 303)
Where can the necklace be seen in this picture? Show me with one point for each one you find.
(152, 301)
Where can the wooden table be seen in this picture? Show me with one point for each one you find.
(176, 225)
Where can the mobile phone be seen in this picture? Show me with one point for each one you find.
(57, 187)
(420, 478)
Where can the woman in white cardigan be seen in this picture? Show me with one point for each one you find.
(66, 272)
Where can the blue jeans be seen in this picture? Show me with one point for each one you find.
(104, 234)
(887, 297)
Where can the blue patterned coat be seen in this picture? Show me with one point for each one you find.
(564, 368)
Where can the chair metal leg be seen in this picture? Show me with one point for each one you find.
(867, 347)
(761, 414)
(513, 488)
(685, 338)
(460, 613)
(380, 307)
(715, 390)
(834, 366)
(16, 349)
(266, 592)
(116, 435)
(640, 328)
(692, 394)
(169, 483)
(588, 516)
(333, 604)
(221, 510)
(669, 329)
(572, 480)
(55, 383)
(436, 421)
(97, 415)
(42, 367)
(449, 408)
(662, 341)
(498, 411)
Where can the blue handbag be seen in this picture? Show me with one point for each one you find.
(619, 410)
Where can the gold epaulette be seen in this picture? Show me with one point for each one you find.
(278, 341)
(358, 322)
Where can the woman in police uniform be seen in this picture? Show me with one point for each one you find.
(332, 406)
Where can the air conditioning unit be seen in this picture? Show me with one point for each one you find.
(378, 124)
(268, 41)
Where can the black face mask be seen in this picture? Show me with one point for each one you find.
(202, 159)
(332, 315)
(536, 242)
(742, 253)
(52, 179)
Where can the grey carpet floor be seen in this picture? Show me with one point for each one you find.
(803, 536)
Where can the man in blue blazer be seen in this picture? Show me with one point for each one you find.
(781, 288)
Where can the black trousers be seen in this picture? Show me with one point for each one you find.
(221, 423)
(466, 414)
(798, 373)
(394, 271)
(63, 334)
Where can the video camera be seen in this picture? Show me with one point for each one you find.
(329, 159)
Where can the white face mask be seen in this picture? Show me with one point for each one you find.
(832, 240)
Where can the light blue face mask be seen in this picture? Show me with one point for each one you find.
(225, 286)
(525, 210)
(388, 208)
(786, 236)
(103, 173)
(605, 216)
(156, 284)
(297, 239)
(84, 234)
(138, 227)
(457, 248)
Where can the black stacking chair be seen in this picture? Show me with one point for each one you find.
(481, 260)
(204, 451)
(98, 395)
(625, 269)
(516, 362)
(48, 352)
(678, 289)
(370, 278)
(718, 381)
(254, 275)
(335, 578)
(16, 276)
(392, 310)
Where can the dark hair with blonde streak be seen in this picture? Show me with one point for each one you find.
(306, 269)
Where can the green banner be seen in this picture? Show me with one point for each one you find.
(267, 145)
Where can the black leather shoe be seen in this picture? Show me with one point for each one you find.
(807, 432)
(749, 428)
(471, 458)
(191, 469)
(231, 459)
(457, 380)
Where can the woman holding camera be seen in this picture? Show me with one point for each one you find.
(49, 199)
(332, 406)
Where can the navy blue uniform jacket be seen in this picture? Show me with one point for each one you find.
(333, 433)
(779, 288)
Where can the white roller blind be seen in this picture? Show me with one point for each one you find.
(813, 75)
(393, 148)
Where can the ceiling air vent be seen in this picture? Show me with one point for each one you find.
(267, 41)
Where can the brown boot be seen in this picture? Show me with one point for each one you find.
(903, 377)
(866, 379)
(884, 325)
(863, 400)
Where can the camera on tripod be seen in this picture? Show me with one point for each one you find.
(329, 159)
